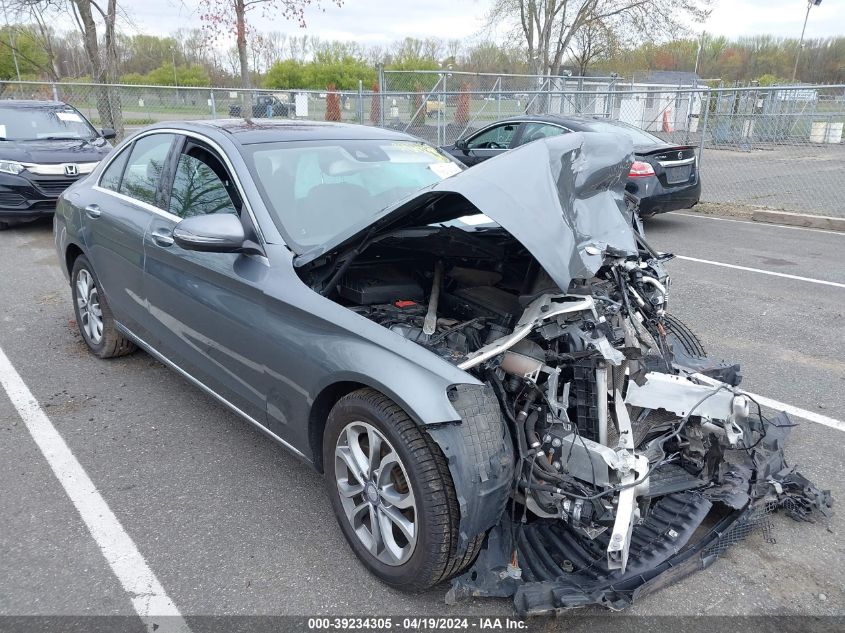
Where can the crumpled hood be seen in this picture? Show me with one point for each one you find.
(562, 198)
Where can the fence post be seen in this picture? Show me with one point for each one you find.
(498, 86)
(361, 102)
(381, 91)
(55, 92)
(704, 129)
(441, 116)
(213, 104)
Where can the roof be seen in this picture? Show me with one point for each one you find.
(30, 103)
(556, 118)
(669, 78)
(246, 132)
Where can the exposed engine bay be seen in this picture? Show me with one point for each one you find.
(627, 440)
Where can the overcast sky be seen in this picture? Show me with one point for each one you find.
(383, 21)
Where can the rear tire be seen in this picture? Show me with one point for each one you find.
(93, 314)
(422, 474)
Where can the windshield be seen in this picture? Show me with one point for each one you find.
(32, 124)
(316, 190)
(635, 134)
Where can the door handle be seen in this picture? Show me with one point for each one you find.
(93, 211)
(162, 237)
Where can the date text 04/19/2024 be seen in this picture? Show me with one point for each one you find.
(415, 623)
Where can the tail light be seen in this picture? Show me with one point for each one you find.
(640, 169)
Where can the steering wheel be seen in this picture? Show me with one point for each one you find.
(494, 145)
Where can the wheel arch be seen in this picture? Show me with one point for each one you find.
(319, 413)
(72, 253)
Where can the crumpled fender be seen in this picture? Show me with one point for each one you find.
(480, 454)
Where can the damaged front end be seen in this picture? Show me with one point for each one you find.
(628, 459)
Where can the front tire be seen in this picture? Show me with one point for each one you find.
(679, 333)
(93, 314)
(382, 471)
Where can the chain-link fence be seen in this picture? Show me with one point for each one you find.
(758, 147)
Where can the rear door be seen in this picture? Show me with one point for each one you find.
(207, 309)
(115, 214)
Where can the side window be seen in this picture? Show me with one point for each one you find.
(142, 176)
(201, 185)
(536, 131)
(498, 137)
(114, 172)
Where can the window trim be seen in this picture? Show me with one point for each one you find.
(221, 154)
(520, 123)
(173, 165)
(517, 142)
(164, 169)
(126, 149)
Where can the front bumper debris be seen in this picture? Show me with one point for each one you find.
(686, 530)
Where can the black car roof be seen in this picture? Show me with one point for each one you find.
(246, 132)
(577, 122)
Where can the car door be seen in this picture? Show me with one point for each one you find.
(488, 143)
(115, 215)
(205, 308)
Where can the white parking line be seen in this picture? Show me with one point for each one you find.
(762, 272)
(148, 597)
(701, 216)
(781, 406)
(799, 413)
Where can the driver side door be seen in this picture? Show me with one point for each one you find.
(205, 308)
(488, 143)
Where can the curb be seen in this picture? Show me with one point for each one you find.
(797, 219)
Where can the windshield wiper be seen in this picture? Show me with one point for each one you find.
(61, 138)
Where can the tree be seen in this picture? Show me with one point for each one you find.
(548, 26)
(102, 54)
(332, 104)
(375, 105)
(222, 17)
(595, 40)
(418, 104)
(462, 106)
(30, 56)
(342, 72)
(40, 13)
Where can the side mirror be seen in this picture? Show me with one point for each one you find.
(461, 144)
(108, 133)
(213, 233)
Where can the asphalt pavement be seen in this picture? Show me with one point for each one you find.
(232, 524)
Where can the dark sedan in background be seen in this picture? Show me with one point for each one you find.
(45, 146)
(664, 176)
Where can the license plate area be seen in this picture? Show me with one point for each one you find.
(678, 175)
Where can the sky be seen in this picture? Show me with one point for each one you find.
(384, 21)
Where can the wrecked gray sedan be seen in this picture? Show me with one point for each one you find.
(480, 362)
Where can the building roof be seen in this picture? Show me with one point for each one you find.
(668, 77)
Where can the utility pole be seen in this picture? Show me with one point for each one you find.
(698, 53)
(173, 57)
(810, 5)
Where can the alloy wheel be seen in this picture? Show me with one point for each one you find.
(375, 493)
(88, 302)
